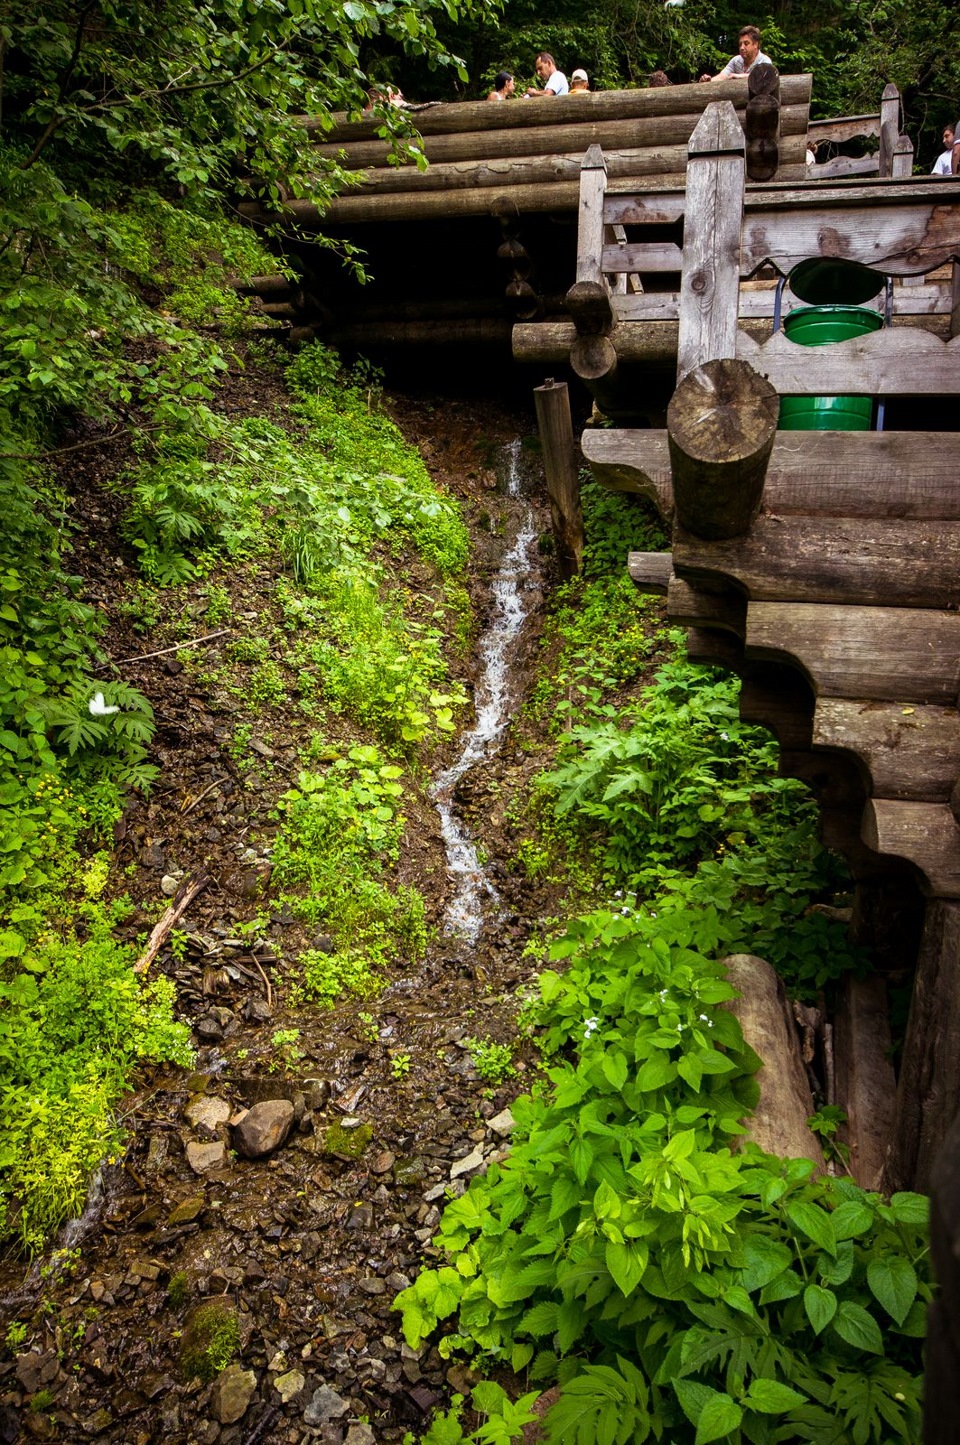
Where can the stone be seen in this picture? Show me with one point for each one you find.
(187, 1210)
(289, 1386)
(372, 1285)
(257, 1011)
(360, 1217)
(384, 1162)
(203, 1158)
(207, 1110)
(169, 885)
(232, 1393)
(468, 1164)
(208, 1027)
(408, 1171)
(325, 1405)
(360, 1435)
(503, 1123)
(96, 1423)
(264, 1128)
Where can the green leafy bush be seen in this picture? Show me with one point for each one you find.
(628, 1250)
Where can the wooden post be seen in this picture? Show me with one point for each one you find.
(563, 476)
(721, 423)
(941, 1406)
(710, 282)
(889, 127)
(928, 1091)
(594, 360)
(902, 164)
(588, 299)
(761, 123)
(955, 299)
(866, 1086)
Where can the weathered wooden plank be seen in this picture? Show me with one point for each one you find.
(909, 753)
(904, 239)
(642, 257)
(562, 471)
(471, 116)
(692, 607)
(941, 1382)
(721, 423)
(833, 474)
(711, 243)
(870, 561)
(889, 127)
(845, 166)
(932, 298)
(928, 1090)
(593, 183)
(650, 572)
(924, 833)
(866, 1083)
(901, 362)
(845, 127)
(467, 331)
(891, 654)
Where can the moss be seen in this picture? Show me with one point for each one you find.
(347, 1144)
(209, 1342)
(178, 1290)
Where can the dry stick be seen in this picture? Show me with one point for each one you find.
(266, 981)
(177, 647)
(187, 893)
(200, 797)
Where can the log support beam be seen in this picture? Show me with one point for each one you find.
(562, 472)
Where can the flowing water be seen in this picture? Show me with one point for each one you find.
(474, 897)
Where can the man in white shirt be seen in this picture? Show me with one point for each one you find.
(748, 42)
(554, 80)
(942, 163)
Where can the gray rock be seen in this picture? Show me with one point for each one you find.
(207, 1110)
(360, 1435)
(372, 1285)
(232, 1393)
(326, 1405)
(169, 885)
(503, 1123)
(187, 1210)
(264, 1128)
(361, 1217)
(203, 1158)
(468, 1164)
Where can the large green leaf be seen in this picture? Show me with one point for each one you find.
(893, 1281)
(820, 1305)
(857, 1327)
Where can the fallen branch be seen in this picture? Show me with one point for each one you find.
(177, 647)
(168, 921)
(200, 797)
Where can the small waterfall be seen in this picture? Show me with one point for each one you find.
(473, 891)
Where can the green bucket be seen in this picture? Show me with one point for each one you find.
(820, 326)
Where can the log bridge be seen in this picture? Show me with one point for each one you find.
(480, 248)
(822, 566)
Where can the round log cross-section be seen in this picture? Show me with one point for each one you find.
(721, 423)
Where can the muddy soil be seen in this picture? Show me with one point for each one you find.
(309, 1244)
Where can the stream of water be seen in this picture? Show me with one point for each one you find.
(474, 897)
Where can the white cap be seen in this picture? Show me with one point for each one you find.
(579, 75)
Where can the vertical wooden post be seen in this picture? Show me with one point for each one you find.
(562, 471)
(761, 123)
(588, 299)
(955, 305)
(713, 216)
(902, 165)
(928, 1092)
(941, 1406)
(889, 127)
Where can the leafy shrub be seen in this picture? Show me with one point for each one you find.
(74, 1021)
(627, 1251)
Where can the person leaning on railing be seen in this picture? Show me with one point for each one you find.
(750, 54)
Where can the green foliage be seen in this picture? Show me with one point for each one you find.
(210, 1341)
(74, 1022)
(178, 1290)
(504, 1419)
(492, 1061)
(327, 977)
(628, 1251)
(339, 830)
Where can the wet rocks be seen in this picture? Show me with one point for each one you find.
(325, 1405)
(187, 1210)
(232, 1393)
(264, 1128)
(204, 1158)
(289, 1385)
(207, 1111)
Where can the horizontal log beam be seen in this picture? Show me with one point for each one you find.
(830, 474)
(909, 753)
(452, 118)
(890, 654)
(931, 298)
(924, 833)
(853, 560)
(372, 335)
(901, 362)
(778, 697)
(692, 607)
(650, 572)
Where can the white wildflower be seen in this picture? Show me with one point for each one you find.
(590, 1027)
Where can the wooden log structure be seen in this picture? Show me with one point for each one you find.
(561, 467)
(828, 575)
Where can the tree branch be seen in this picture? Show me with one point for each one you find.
(54, 123)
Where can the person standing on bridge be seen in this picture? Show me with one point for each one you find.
(748, 42)
(941, 166)
(554, 80)
(503, 86)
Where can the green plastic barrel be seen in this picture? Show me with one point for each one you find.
(820, 326)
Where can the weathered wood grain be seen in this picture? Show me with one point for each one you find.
(932, 298)
(561, 467)
(886, 653)
(865, 1081)
(910, 753)
(863, 560)
(710, 281)
(924, 833)
(721, 423)
(593, 183)
(692, 607)
(928, 1089)
(650, 572)
(845, 127)
(889, 127)
(941, 1385)
(902, 362)
(830, 474)
(900, 239)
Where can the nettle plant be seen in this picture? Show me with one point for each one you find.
(678, 1283)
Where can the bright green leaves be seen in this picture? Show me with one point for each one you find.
(626, 1263)
(820, 1305)
(893, 1282)
(857, 1327)
(770, 1397)
(714, 1413)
